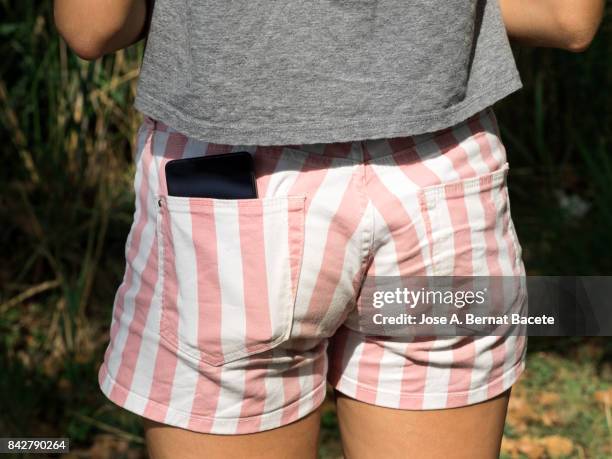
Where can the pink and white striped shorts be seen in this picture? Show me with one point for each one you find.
(233, 314)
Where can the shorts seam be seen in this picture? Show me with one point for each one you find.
(472, 185)
(421, 140)
(188, 415)
(410, 153)
(276, 204)
(516, 369)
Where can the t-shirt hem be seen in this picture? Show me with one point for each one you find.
(320, 131)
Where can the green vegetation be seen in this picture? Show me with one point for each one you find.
(66, 205)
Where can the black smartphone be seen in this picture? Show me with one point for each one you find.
(223, 176)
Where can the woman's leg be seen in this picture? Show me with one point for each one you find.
(297, 440)
(370, 431)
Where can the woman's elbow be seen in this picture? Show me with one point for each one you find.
(86, 47)
(578, 41)
(579, 30)
(86, 42)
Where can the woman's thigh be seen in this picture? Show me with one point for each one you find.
(297, 440)
(473, 431)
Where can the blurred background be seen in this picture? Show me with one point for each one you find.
(67, 128)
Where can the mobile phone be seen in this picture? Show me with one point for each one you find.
(222, 176)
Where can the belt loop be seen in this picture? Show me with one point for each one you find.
(365, 154)
(493, 118)
(150, 122)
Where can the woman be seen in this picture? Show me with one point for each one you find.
(376, 153)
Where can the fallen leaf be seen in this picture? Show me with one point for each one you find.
(509, 447)
(550, 418)
(548, 398)
(531, 447)
(604, 396)
(520, 413)
(557, 446)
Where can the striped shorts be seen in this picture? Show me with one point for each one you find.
(233, 316)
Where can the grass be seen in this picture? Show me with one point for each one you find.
(560, 396)
(66, 205)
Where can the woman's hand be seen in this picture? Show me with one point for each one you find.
(93, 28)
(565, 24)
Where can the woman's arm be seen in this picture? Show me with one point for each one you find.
(565, 24)
(93, 28)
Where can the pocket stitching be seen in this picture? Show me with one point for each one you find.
(227, 357)
(161, 269)
(274, 203)
(515, 243)
(466, 186)
(513, 234)
(426, 218)
(431, 196)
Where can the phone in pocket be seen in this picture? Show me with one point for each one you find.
(223, 176)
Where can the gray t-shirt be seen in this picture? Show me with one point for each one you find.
(267, 72)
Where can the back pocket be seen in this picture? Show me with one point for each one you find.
(469, 227)
(229, 273)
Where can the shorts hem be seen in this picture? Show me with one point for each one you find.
(138, 404)
(435, 401)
